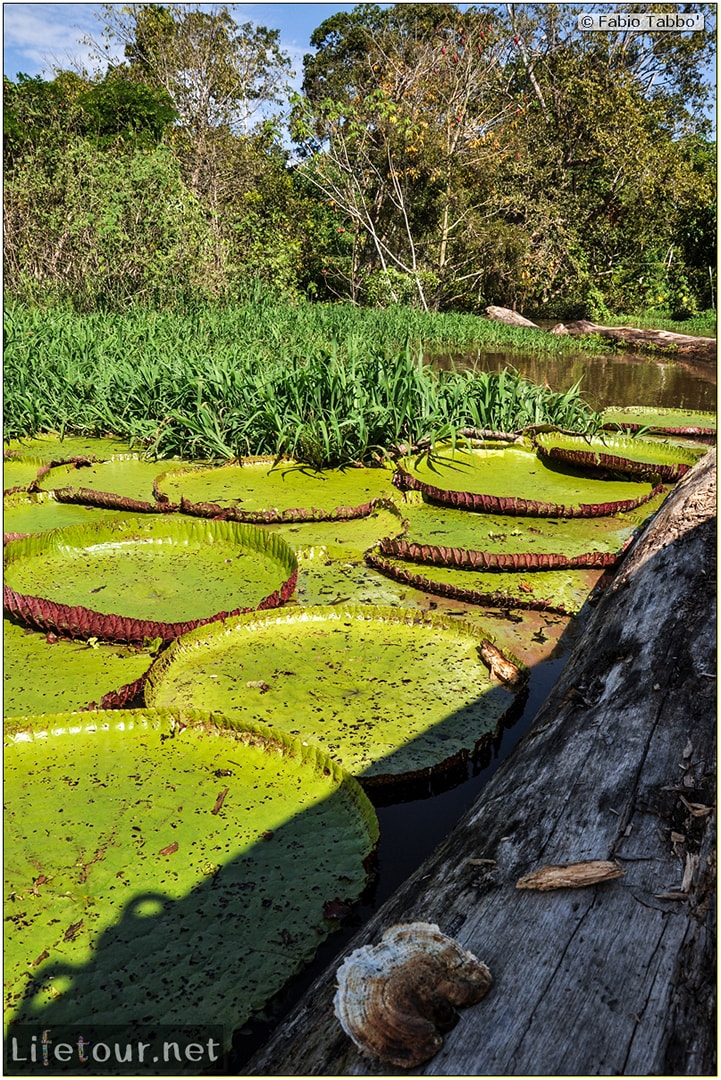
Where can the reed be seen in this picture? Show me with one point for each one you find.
(325, 384)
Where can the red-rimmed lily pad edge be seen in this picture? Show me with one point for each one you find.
(78, 621)
(596, 460)
(465, 559)
(107, 500)
(500, 600)
(278, 517)
(503, 504)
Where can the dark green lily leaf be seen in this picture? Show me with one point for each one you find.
(621, 453)
(262, 491)
(142, 577)
(168, 867)
(391, 693)
(41, 676)
(515, 480)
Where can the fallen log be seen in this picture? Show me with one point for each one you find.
(684, 346)
(615, 975)
(509, 317)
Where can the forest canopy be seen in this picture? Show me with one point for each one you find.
(441, 157)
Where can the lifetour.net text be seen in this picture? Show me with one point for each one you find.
(642, 21)
(113, 1051)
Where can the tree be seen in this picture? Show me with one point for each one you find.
(398, 125)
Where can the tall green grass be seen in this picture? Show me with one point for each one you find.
(325, 384)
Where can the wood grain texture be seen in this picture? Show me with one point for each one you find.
(616, 978)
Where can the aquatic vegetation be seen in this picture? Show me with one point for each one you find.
(169, 865)
(136, 578)
(392, 693)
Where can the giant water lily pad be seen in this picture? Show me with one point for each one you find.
(37, 512)
(53, 447)
(621, 453)
(127, 477)
(264, 490)
(41, 676)
(169, 868)
(434, 530)
(677, 421)
(142, 577)
(514, 480)
(562, 591)
(20, 473)
(390, 693)
(330, 540)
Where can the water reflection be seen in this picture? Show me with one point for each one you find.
(608, 379)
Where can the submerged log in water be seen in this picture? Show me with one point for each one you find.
(613, 977)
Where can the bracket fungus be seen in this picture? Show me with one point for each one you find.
(395, 1000)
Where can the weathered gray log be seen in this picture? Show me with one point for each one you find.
(682, 345)
(509, 317)
(613, 978)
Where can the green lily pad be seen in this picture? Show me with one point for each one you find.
(153, 879)
(147, 576)
(633, 417)
(25, 513)
(391, 693)
(51, 447)
(20, 473)
(561, 591)
(327, 540)
(621, 453)
(515, 480)
(262, 490)
(128, 476)
(445, 527)
(40, 677)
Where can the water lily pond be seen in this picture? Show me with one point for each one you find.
(223, 683)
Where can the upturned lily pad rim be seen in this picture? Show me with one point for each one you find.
(602, 453)
(613, 417)
(463, 630)
(512, 506)
(505, 562)
(270, 516)
(406, 575)
(78, 621)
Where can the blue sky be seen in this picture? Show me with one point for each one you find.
(38, 37)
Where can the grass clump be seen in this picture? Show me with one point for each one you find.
(326, 385)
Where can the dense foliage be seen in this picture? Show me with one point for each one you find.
(443, 159)
(327, 384)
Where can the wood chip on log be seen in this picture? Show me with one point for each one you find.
(571, 875)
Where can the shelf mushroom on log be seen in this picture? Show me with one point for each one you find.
(613, 977)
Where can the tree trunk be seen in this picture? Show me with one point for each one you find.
(682, 345)
(610, 978)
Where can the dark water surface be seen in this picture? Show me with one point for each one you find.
(414, 825)
(606, 379)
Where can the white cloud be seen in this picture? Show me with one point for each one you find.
(41, 37)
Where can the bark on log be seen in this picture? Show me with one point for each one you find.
(613, 978)
(684, 346)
